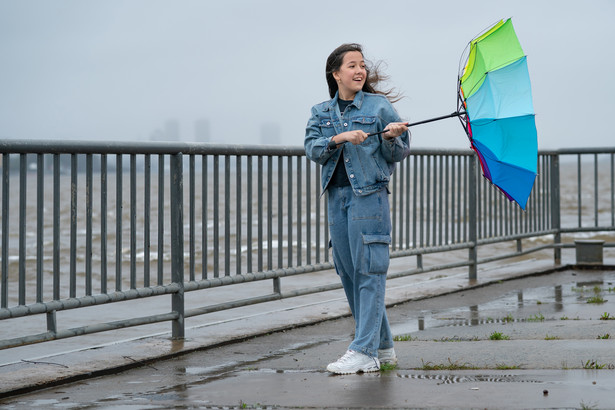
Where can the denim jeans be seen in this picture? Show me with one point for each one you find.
(360, 228)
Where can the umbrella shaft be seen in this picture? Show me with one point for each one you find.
(455, 114)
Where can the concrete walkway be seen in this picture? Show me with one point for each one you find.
(554, 351)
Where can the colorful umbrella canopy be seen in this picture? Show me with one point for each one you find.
(495, 92)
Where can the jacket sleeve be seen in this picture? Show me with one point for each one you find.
(396, 149)
(316, 144)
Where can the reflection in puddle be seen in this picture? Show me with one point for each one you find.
(559, 302)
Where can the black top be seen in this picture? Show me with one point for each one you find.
(343, 104)
(340, 178)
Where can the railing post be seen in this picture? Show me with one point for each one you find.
(556, 209)
(4, 264)
(177, 243)
(472, 218)
(52, 324)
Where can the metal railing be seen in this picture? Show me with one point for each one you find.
(85, 224)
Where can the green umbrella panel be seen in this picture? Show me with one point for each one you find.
(496, 48)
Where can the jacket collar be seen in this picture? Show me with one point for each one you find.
(357, 102)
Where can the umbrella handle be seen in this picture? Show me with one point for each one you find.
(334, 144)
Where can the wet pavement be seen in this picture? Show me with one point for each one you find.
(530, 342)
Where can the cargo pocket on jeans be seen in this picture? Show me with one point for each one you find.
(376, 253)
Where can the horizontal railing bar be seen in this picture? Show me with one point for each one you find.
(42, 146)
(310, 291)
(252, 277)
(231, 305)
(434, 268)
(514, 254)
(587, 229)
(74, 303)
(573, 245)
(162, 147)
(575, 151)
(86, 330)
(431, 249)
(499, 239)
(261, 299)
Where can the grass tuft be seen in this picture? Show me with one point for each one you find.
(386, 367)
(450, 366)
(536, 318)
(502, 366)
(498, 336)
(592, 364)
(596, 299)
(403, 338)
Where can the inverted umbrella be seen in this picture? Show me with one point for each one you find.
(495, 91)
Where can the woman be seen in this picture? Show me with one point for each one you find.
(356, 169)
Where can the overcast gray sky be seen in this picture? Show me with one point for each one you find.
(109, 70)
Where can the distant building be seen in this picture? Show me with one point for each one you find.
(170, 132)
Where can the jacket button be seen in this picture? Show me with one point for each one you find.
(347, 160)
(351, 175)
(345, 124)
(360, 191)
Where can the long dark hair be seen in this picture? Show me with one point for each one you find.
(374, 76)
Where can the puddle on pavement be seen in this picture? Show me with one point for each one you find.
(567, 301)
(439, 377)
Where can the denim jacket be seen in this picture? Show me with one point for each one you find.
(369, 165)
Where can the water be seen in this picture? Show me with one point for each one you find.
(565, 300)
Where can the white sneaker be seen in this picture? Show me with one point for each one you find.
(354, 362)
(387, 356)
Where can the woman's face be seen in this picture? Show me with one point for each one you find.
(351, 76)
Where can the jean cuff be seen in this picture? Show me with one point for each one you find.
(363, 350)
